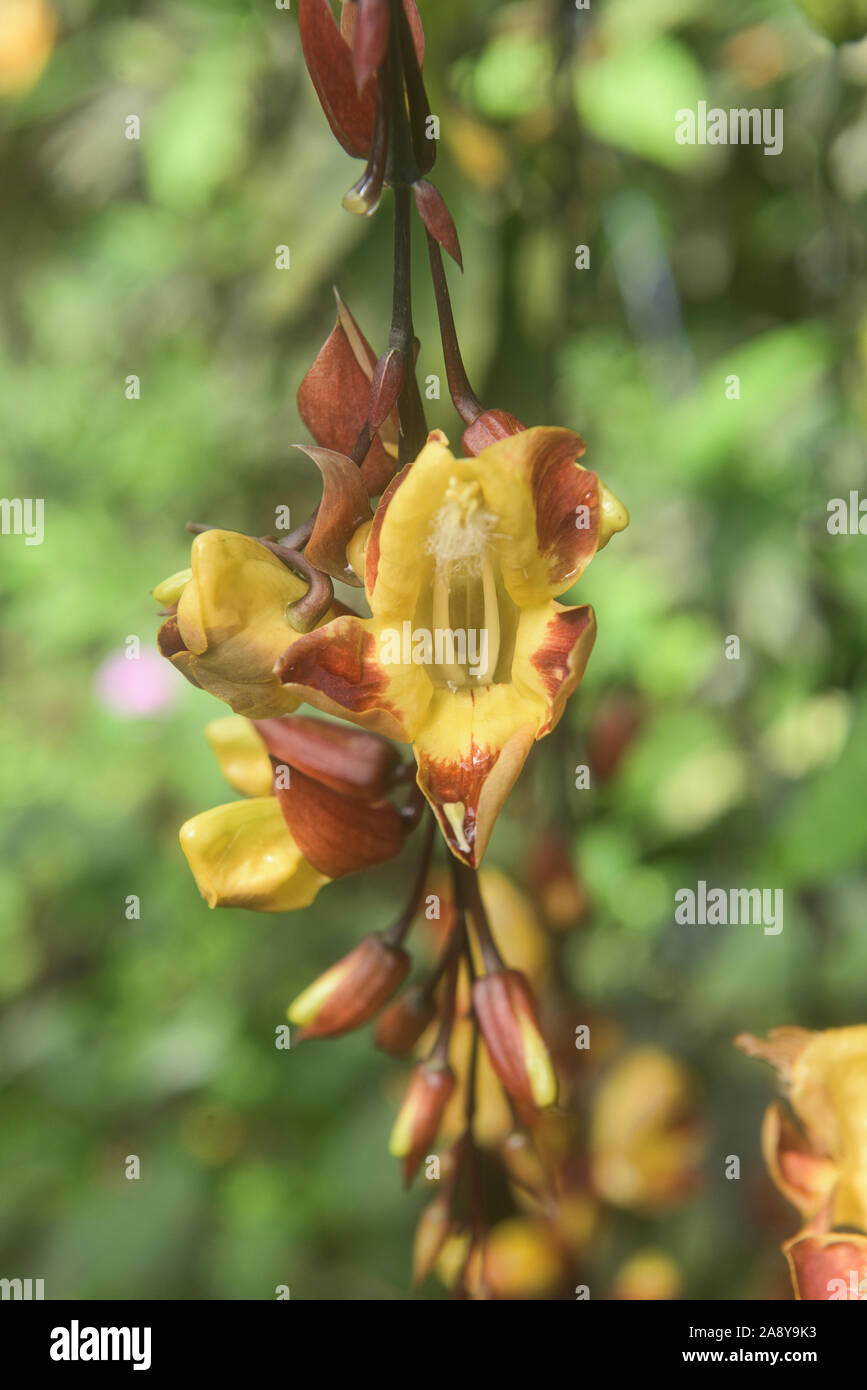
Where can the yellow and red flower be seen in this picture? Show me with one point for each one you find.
(820, 1163)
(230, 623)
(479, 546)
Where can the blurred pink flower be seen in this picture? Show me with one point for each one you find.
(135, 687)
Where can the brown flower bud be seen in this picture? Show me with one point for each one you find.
(418, 1120)
(401, 1025)
(554, 884)
(437, 219)
(612, 734)
(351, 991)
(490, 426)
(385, 387)
(506, 1014)
(435, 1225)
(333, 400)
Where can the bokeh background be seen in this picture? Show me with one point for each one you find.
(155, 257)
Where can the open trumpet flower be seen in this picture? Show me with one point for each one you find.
(467, 656)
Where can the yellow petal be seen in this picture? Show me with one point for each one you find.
(398, 567)
(613, 516)
(242, 855)
(242, 756)
(357, 546)
(645, 1142)
(549, 510)
(470, 750)
(828, 1091)
(552, 648)
(232, 621)
(537, 1060)
(169, 591)
(523, 1259)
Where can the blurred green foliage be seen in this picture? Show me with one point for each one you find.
(156, 258)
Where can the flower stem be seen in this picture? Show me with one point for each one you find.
(397, 931)
(469, 887)
(466, 402)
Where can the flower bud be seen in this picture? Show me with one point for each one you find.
(401, 1025)
(435, 1225)
(490, 426)
(523, 1164)
(418, 1120)
(506, 1013)
(354, 989)
(385, 387)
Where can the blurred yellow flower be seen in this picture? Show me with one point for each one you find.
(28, 29)
(646, 1139)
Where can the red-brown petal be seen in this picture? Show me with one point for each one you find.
(339, 835)
(371, 554)
(370, 38)
(329, 62)
(348, 760)
(388, 379)
(437, 219)
(169, 639)
(403, 1022)
(828, 1268)
(337, 669)
(559, 489)
(562, 659)
(488, 428)
(348, 15)
(416, 28)
(333, 400)
(345, 505)
(478, 778)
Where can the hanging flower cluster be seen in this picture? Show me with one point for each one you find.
(819, 1164)
(465, 654)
